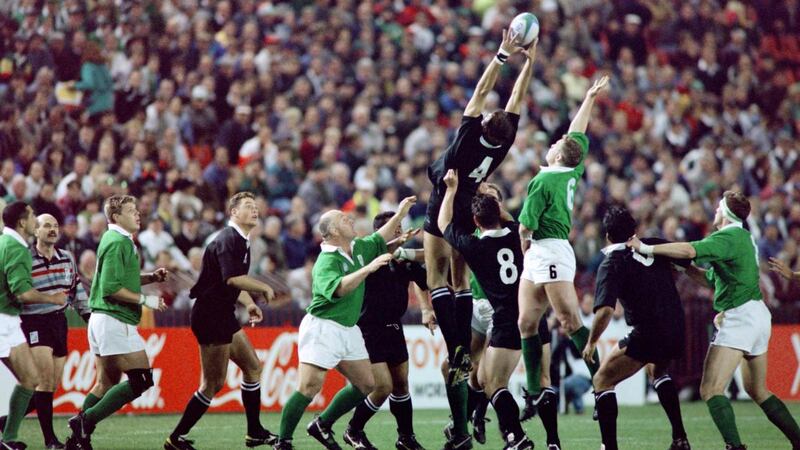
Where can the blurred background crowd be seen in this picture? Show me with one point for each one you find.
(342, 104)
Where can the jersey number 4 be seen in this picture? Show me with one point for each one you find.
(480, 172)
(508, 270)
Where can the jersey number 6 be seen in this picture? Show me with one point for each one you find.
(571, 185)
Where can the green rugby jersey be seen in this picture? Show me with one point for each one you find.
(547, 210)
(332, 265)
(477, 290)
(117, 268)
(15, 271)
(733, 255)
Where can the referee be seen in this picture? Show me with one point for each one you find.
(223, 282)
(45, 325)
(645, 287)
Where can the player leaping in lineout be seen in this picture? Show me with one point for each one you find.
(549, 269)
(479, 147)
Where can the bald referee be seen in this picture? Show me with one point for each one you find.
(223, 282)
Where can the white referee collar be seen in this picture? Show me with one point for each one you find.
(613, 247)
(496, 233)
(120, 230)
(13, 233)
(233, 225)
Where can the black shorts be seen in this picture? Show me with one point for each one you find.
(46, 330)
(658, 348)
(505, 331)
(462, 212)
(385, 344)
(214, 327)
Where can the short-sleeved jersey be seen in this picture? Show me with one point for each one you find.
(59, 274)
(332, 265)
(227, 256)
(495, 259)
(644, 285)
(386, 292)
(547, 210)
(117, 268)
(469, 154)
(733, 255)
(15, 274)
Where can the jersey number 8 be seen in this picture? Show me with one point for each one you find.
(508, 271)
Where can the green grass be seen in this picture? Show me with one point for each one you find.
(639, 428)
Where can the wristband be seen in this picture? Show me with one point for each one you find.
(150, 301)
(646, 249)
(402, 253)
(501, 57)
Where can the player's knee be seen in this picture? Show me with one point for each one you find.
(570, 323)
(527, 326)
(758, 393)
(140, 380)
(47, 385)
(711, 389)
(601, 382)
(30, 380)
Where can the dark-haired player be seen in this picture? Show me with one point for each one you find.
(385, 302)
(479, 147)
(496, 260)
(645, 287)
(222, 283)
(545, 224)
(743, 322)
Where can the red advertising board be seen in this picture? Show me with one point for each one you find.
(175, 358)
(783, 359)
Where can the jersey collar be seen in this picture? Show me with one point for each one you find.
(486, 143)
(328, 248)
(497, 233)
(613, 247)
(233, 225)
(732, 225)
(556, 169)
(120, 230)
(17, 237)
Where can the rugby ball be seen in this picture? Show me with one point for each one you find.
(526, 28)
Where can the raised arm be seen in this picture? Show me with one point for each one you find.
(489, 77)
(446, 210)
(581, 120)
(350, 282)
(387, 230)
(514, 104)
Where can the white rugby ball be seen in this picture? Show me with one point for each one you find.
(526, 28)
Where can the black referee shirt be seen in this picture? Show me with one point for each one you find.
(644, 285)
(386, 292)
(227, 256)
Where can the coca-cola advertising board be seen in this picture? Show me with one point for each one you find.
(175, 358)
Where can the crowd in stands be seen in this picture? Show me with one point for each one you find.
(342, 104)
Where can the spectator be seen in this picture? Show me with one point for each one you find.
(299, 281)
(189, 236)
(235, 132)
(96, 81)
(294, 242)
(97, 226)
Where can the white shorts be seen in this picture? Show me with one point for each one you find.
(482, 316)
(110, 336)
(324, 343)
(549, 260)
(746, 328)
(11, 334)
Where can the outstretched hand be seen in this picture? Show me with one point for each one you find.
(599, 85)
(634, 243)
(509, 42)
(781, 268)
(451, 178)
(530, 52)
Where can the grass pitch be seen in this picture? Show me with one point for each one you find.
(639, 428)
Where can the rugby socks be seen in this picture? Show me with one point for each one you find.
(464, 317)
(532, 357)
(443, 303)
(668, 397)
(292, 413)
(115, 398)
(17, 405)
(722, 413)
(402, 410)
(607, 411)
(777, 413)
(197, 406)
(89, 401)
(480, 407)
(548, 412)
(579, 340)
(507, 412)
(457, 398)
(251, 400)
(473, 398)
(346, 399)
(44, 412)
(364, 411)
